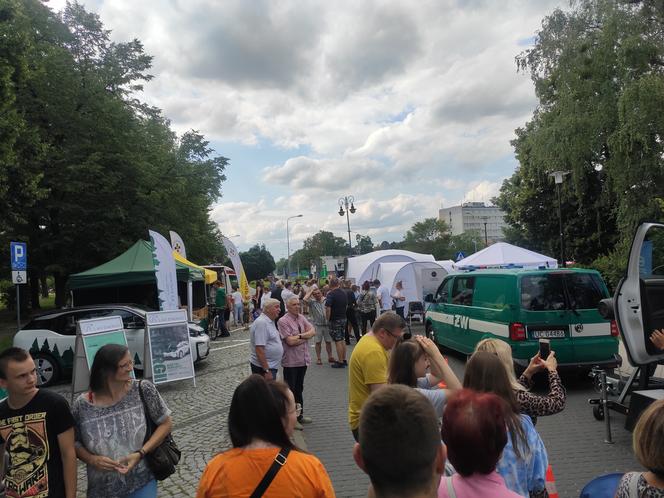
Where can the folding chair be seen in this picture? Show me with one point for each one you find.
(415, 308)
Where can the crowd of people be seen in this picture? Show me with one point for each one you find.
(420, 431)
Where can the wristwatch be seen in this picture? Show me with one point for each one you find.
(266, 370)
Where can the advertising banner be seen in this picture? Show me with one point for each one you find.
(234, 256)
(164, 269)
(178, 244)
(171, 357)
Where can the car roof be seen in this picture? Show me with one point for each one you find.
(65, 311)
(523, 271)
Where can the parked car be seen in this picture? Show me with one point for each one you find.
(50, 338)
(180, 351)
(522, 306)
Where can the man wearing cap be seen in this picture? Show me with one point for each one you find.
(368, 363)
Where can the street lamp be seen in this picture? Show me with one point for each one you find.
(288, 243)
(558, 177)
(485, 220)
(345, 202)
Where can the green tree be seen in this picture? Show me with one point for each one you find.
(364, 245)
(257, 262)
(597, 71)
(430, 236)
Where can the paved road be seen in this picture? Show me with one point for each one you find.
(573, 438)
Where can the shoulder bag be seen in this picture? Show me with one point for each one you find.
(163, 459)
(279, 461)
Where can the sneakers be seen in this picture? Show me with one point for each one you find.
(337, 364)
(304, 420)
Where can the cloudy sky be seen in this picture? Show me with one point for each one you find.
(408, 106)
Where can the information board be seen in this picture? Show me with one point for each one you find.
(91, 335)
(168, 349)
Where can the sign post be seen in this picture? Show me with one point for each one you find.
(19, 261)
(168, 355)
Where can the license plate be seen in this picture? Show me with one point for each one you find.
(548, 334)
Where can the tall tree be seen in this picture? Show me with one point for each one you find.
(598, 73)
(430, 236)
(257, 262)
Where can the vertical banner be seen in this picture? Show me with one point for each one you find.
(178, 244)
(234, 256)
(164, 270)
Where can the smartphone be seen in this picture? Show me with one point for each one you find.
(544, 348)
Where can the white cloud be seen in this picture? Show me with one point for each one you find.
(390, 100)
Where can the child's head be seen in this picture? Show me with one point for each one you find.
(648, 437)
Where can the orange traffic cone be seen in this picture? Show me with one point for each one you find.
(551, 483)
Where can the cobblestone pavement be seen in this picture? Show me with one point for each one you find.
(574, 439)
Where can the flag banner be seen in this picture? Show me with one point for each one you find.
(178, 244)
(234, 256)
(164, 270)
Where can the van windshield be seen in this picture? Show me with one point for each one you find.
(547, 292)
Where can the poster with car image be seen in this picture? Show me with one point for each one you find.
(171, 357)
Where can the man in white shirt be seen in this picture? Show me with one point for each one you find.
(384, 297)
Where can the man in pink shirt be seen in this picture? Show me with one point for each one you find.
(295, 331)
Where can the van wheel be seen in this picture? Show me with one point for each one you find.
(48, 370)
(598, 412)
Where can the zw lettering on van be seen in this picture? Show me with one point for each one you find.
(463, 322)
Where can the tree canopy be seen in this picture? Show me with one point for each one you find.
(257, 262)
(598, 74)
(86, 168)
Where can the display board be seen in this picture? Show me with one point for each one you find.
(91, 335)
(167, 347)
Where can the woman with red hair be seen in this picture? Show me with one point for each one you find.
(475, 432)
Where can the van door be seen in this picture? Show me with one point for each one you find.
(639, 299)
(590, 333)
(439, 315)
(460, 307)
(545, 315)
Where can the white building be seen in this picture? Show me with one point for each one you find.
(475, 216)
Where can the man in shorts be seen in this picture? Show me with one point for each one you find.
(316, 304)
(336, 303)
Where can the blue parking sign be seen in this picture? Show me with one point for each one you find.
(19, 256)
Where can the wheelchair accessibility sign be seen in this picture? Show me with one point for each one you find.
(19, 262)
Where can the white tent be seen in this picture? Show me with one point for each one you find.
(365, 267)
(419, 278)
(448, 264)
(503, 255)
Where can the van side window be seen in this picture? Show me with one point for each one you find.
(491, 292)
(585, 290)
(462, 291)
(542, 292)
(442, 294)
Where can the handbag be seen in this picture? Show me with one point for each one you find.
(163, 459)
(279, 461)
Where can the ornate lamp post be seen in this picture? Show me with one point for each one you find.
(345, 202)
(288, 243)
(558, 177)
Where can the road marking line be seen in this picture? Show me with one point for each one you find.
(231, 346)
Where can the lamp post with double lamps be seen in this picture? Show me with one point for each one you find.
(558, 177)
(347, 203)
(288, 243)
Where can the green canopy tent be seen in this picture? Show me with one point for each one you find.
(130, 278)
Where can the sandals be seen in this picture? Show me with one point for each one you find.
(331, 360)
(319, 362)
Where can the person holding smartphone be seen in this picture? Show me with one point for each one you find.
(534, 405)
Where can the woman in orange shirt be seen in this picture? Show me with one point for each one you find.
(261, 421)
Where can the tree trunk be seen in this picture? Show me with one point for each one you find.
(34, 290)
(60, 290)
(43, 285)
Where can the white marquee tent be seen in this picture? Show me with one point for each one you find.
(365, 267)
(419, 278)
(503, 255)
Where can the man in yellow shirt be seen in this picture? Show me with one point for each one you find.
(368, 363)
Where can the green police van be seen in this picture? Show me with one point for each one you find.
(523, 306)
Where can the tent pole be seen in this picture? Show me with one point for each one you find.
(190, 299)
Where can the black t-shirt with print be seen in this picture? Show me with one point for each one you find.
(31, 437)
(337, 301)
